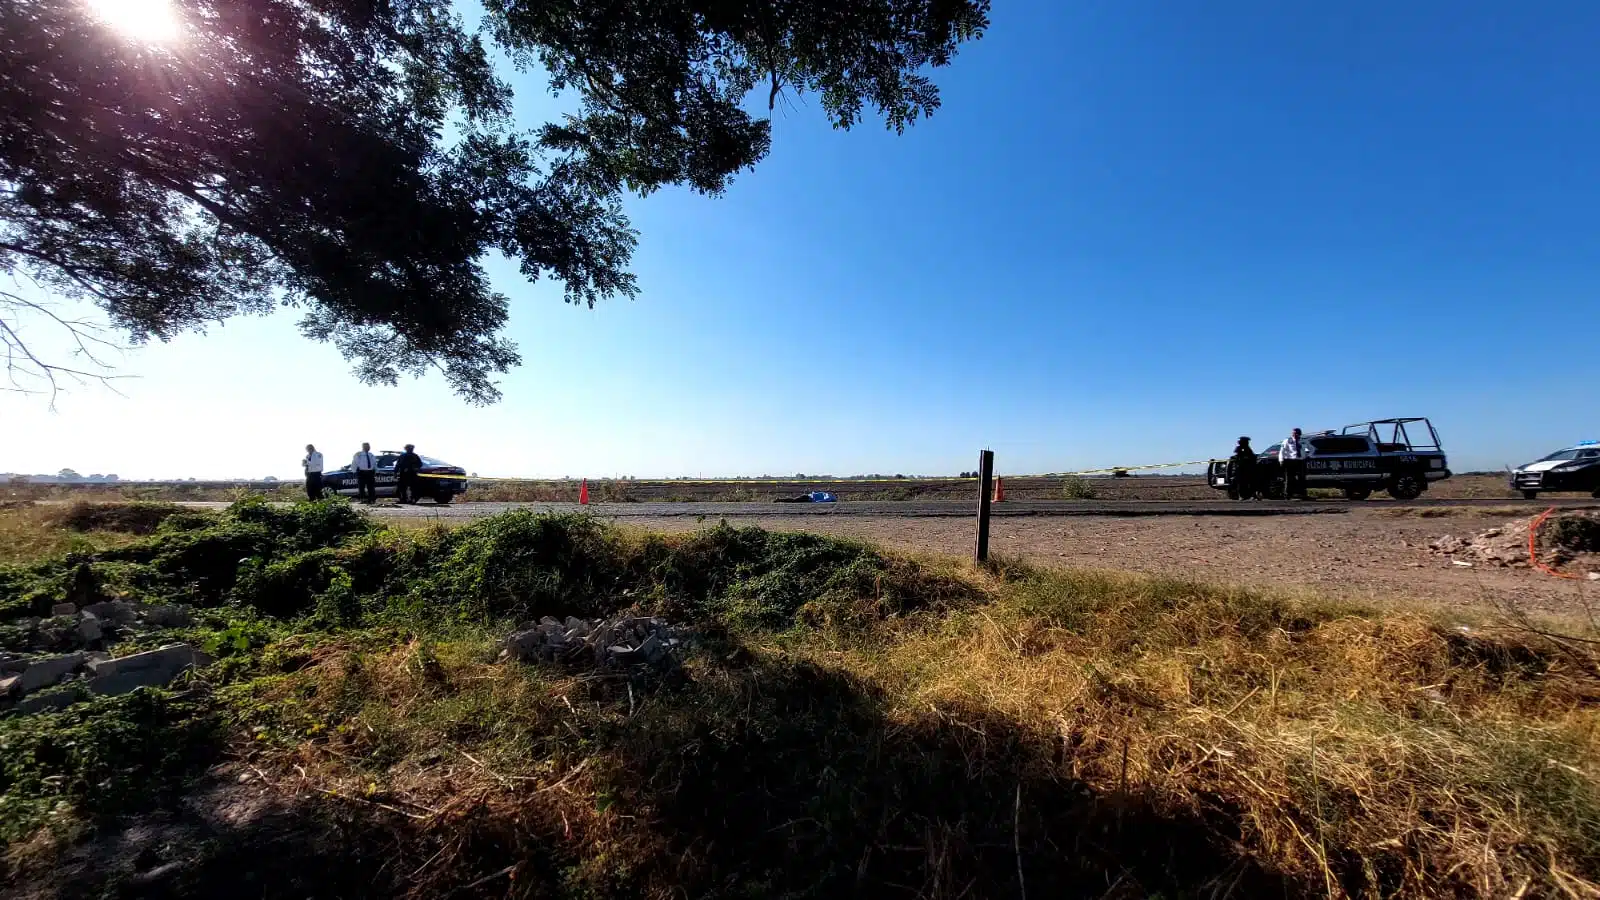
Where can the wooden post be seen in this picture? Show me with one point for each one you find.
(985, 489)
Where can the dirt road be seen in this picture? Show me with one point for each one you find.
(1365, 556)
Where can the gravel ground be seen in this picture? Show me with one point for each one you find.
(1361, 556)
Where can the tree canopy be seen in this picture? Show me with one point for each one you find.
(358, 159)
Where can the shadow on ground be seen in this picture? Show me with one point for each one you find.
(760, 779)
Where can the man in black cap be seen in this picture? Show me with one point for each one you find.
(1242, 471)
(405, 470)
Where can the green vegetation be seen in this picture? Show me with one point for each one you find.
(1574, 534)
(848, 722)
(104, 756)
(1076, 487)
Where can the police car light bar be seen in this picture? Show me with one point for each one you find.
(1586, 443)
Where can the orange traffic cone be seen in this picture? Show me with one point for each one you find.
(999, 489)
(583, 493)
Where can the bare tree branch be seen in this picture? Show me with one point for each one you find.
(28, 372)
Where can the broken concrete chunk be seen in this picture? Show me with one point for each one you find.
(621, 642)
(120, 683)
(168, 615)
(119, 611)
(89, 630)
(524, 644)
(64, 609)
(622, 656)
(11, 685)
(651, 650)
(48, 671)
(47, 701)
(152, 668)
(172, 656)
(549, 620)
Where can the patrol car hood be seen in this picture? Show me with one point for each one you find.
(1545, 466)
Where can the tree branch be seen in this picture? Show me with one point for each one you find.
(24, 366)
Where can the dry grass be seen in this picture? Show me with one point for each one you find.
(1376, 754)
(1256, 741)
(30, 532)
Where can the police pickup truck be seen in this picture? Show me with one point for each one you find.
(1577, 468)
(1401, 456)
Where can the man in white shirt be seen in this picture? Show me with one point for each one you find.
(313, 466)
(365, 466)
(1292, 463)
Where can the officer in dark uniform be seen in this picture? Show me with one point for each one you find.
(405, 470)
(1242, 471)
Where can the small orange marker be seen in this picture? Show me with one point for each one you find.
(999, 489)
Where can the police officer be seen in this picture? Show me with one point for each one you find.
(1292, 460)
(405, 470)
(365, 465)
(312, 464)
(1242, 474)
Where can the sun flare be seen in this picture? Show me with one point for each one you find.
(149, 21)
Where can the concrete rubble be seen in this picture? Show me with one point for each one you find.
(621, 642)
(48, 670)
(60, 659)
(152, 668)
(93, 626)
(98, 673)
(1506, 546)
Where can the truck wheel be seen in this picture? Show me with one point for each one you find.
(1530, 495)
(1357, 493)
(1405, 487)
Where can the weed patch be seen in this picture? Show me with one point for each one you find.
(103, 758)
(1076, 487)
(128, 518)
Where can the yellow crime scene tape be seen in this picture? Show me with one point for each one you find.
(827, 480)
(1175, 465)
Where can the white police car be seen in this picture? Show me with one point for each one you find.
(1576, 468)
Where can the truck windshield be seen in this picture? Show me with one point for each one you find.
(1561, 454)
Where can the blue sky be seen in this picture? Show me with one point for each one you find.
(1135, 231)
